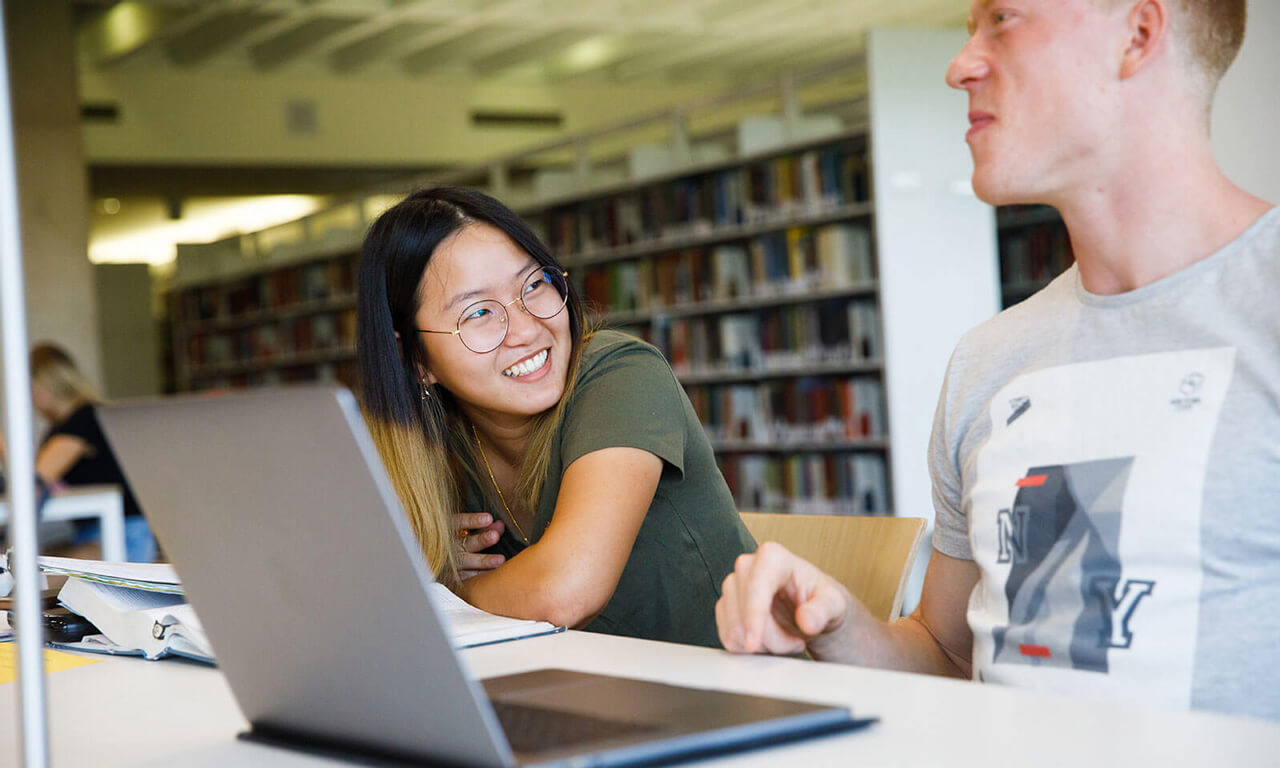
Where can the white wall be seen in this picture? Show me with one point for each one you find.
(1246, 115)
(936, 243)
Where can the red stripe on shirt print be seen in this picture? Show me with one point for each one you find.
(1032, 481)
(1039, 651)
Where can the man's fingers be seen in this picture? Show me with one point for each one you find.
(823, 608)
(727, 622)
(763, 576)
(779, 639)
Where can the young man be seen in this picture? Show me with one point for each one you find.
(1106, 455)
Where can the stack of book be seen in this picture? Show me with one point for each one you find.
(139, 609)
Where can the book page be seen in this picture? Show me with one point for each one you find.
(183, 630)
(122, 599)
(159, 577)
(468, 625)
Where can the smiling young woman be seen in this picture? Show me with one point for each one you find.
(498, 414)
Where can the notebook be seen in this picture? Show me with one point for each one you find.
(283, 525)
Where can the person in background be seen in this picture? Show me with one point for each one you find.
(74, 450)
(575, 458)
(1106, 455)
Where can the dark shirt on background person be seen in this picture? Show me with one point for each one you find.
(98, 466)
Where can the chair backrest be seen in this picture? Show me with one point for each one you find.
(871, 556)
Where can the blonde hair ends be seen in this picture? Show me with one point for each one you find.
(419, 471)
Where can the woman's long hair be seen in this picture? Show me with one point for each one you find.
(417, 435)
(54, 370)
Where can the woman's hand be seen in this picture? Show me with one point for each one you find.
(477, 532)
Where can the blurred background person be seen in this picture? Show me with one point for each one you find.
(74, 451)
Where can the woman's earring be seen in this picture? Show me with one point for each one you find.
(426, 390)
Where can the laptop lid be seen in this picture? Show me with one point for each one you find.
(278, 515)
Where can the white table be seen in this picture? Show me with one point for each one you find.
(104, 502)
(129, 712)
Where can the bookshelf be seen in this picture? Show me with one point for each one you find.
(274, 325)
(1034, 249)
(804, 302)
(756, 277)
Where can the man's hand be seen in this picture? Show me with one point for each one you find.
(476, 533)
(775, 602)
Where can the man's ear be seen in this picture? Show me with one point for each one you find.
(1148, 26)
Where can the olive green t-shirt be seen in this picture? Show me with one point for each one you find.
(627, 396)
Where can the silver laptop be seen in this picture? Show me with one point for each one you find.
(293, 547)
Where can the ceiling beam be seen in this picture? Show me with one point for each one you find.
(457, 45)
(380, 45)
(214, 35)
(290, 43)
(542, 46)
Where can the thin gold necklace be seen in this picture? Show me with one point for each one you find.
(494, 480)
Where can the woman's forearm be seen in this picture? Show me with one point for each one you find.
(530, 587)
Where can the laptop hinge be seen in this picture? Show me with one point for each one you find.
(356, 754)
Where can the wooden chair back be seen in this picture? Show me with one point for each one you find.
(871, 556)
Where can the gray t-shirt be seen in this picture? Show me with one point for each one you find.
(1112, 465)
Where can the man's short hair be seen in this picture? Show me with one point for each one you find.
(1212, 30)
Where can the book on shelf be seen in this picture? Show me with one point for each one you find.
(791, 411)
(1034, 253)
(783, 337)
(795, 262)
(816, 484)
(764, 191)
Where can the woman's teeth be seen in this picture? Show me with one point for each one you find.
(528, 366)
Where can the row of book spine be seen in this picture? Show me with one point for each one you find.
(275, 290)
(810, 483)
(334, 372)
(793, 261)
(1034, 253)
(834, 330)
(790, 411)
(275, 340)
(786, 186)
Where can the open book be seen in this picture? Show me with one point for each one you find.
(142, 622)
(468, 626)
(135, 621)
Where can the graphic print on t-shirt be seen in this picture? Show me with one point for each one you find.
(1061, 537)
(1084, 520)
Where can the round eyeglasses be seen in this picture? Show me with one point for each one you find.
(482, 327)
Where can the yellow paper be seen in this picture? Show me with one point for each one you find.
(54, 661)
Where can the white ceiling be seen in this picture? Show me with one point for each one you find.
(622, 41)
(709, 45)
